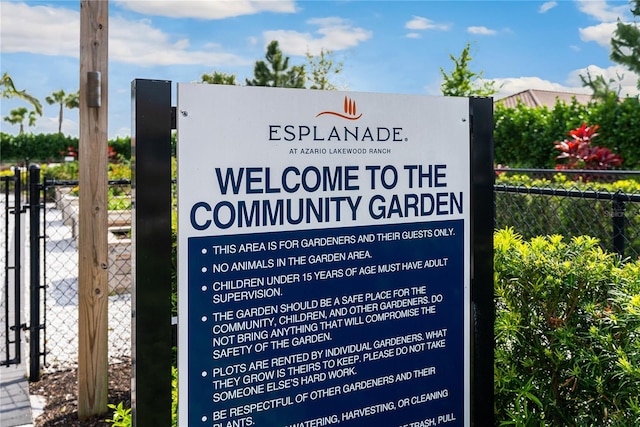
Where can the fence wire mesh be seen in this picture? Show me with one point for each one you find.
(605, 205)
(60, 257)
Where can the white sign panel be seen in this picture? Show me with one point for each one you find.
(323, 258)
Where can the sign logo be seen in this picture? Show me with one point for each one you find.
(336, 133)
(349, 110)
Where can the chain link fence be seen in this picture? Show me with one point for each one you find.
(60, 273)
(601, 204)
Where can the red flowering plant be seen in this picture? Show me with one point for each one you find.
(112, 154)
(578, 153)
(69, 152)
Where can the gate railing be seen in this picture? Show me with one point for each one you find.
(12, 324)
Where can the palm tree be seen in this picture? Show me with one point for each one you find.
(32, 118)
(17, 116)
(69, 101)
(8, 90)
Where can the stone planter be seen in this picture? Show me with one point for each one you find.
(119, 261)
(68, 204)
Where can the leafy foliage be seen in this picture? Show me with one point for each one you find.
(36, 147)
(567, 333)
(218, 78)
(601, 88)
(321, 68)
(523, 136)
(461, 81)
(275, 72)
(54, 147)
(580, 154)
(121, 146)
(625, 43)
(8, 90)
(122, 416)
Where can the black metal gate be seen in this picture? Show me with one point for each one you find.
(16, 318)
(39, 274)
(12, 323)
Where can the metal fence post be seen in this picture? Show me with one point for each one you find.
(34, 277)
(151, 267)
(17, 269)
(618, 215)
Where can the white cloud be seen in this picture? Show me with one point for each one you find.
(49, 124)
(547, 6)
(413, 35)
(40, 29)
(602, 11)
(483, 31)
(334, 34)
(138, 42)
(421, 23)
(200, 9)
(56, 31)
(600, 33)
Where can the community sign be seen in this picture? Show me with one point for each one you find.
(324, 258)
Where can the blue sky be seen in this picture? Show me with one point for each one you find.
(385, 46)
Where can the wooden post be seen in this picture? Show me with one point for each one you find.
(93, 265)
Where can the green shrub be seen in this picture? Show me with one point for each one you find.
(567, 333)
(121, 146)
(35, 147)
(67, 171)
(524, 136)
(53, 147)
(122, 416)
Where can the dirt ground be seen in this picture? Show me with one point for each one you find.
(60, 391)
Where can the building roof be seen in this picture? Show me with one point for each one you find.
(539, 98)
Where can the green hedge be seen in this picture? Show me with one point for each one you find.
(524, 137)
(35, 147)
(567, 333)
(54, 146)
(50, 147)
